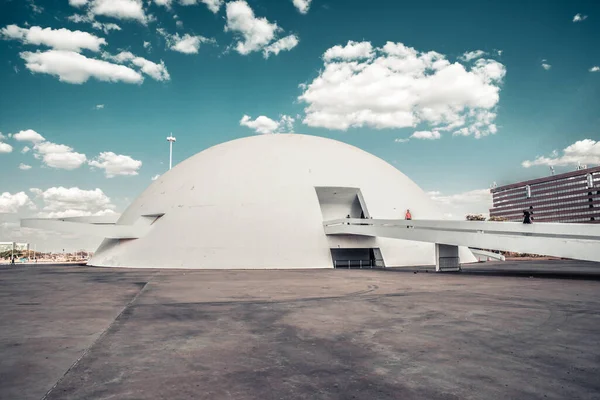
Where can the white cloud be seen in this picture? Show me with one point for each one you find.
(186, 44)
(398, 140)
(78, 3)
(545, 65)
(261, 124)
(99, 106)
(24, 167)
(35, 8)
(283, 44)
(60, 39)
(459, 205)
(481, 124)
(116, 164)
(165, 3)
(213, 5)
(579, 18)
(155, 177)
(472, 55)
(595, 69)
(75, 68)
(429, 135)
(148, 46)
(396, 86)
(11, 203)
(302, 5)
(58, 156)
(53, 155)
(256, 33)
(28, 135)
(61, 202)
(120, 9)
(286, 124)
(266, 125)
(106, 27)
(5, 148)
(586, 151)
(156, 71)
(351, 51)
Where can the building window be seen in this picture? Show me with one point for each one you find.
(528, 191)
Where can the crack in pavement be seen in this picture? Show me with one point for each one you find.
(100, 337)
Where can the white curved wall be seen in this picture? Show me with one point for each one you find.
(251, 203)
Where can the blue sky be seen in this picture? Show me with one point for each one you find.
(509, 83)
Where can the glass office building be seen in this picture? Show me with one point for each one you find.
(570, 197)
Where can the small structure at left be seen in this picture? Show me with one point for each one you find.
(10, 249)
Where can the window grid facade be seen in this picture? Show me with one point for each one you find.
(570, 197)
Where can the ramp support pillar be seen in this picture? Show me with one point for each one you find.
(446, 258)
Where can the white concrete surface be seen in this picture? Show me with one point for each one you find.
(252, 203)
(575, 241)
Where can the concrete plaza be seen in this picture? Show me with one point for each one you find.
(497, 330)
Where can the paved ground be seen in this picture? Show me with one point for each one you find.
(490, 332)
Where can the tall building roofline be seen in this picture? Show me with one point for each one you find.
(546, 179)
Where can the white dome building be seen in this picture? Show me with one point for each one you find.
(260, 202)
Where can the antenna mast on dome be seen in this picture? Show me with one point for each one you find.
(171, 139)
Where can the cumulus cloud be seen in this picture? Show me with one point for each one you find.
(155, 177)
(429, 135)
(457, 206)
(578, 17)
(472, 55)
(545, 65)
(266, 125)
(34, 7)
(28, 135)
(399, 140)
(156, 71)
(99, 106)
(25, 150)
(24, 167)
(213, 5)
(61, 202)
(595, 69)
(396, 86)
(283, 44)
(115, 164)
(165, 3)
(78, 3)
(187, 44)
(75, 68)
(12, 203)
(302, 5)
(586, 151)
(351, 51)
(106, 27)
(53, 155)
(5, 148)
(58, 156)
(60, 39)
(256, 33)
(119, 9)
(481, 124)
